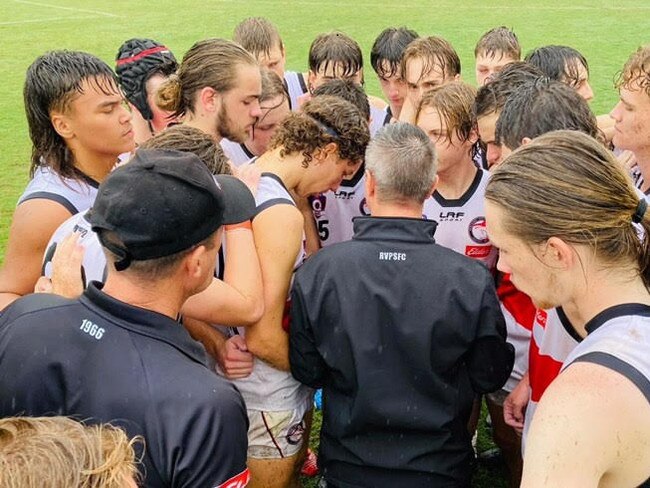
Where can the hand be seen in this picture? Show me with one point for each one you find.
(43, 285)
(67, 261)
(514, 407)
(249, 174)
(234, 359)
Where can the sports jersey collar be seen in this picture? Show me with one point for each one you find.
(394, 229)
(144, 322)
(459, 202)
(616, 311)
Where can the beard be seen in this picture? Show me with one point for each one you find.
(226, 128)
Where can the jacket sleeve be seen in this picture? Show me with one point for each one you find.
(491, 358)
(307, 365)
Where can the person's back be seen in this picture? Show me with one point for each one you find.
(399, 332)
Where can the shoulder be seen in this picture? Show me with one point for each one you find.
(35, 303)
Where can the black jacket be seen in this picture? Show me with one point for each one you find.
(100, 359)
(400, 333)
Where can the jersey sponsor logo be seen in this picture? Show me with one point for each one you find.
(540, 317)
(344, 195)
(318, 203)
(451, 216)
(478, 231)
(295, 433)
(81, 230)
(363, 208)
(478, 252)
(238, 481)
(392, 256)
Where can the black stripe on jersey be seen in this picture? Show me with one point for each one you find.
(271, 203)
(55, 197)
(617, 311)
(566, 323)
(222, 264)
(459, 202)
(388, 117)
(276, 178)
(620, 366)
(301, 80)
(247, 152)
(355, 179)
(83, 176)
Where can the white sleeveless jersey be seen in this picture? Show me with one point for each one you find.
(76, 195)
(93, 267)
(267, 388)
(379, 117)
(334, 211)
(619, 339)
(461, 222)
(296, 87)
(237, 153)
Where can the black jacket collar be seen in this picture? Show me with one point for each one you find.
(142, 321)
(394, 229)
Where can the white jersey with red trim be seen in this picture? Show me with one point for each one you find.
(552, 341)
(268, 388)
(296, 87)
(461, 222)
(334, 211)
(237, 153)
(519, 313)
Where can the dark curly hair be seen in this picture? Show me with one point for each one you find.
(323, 119)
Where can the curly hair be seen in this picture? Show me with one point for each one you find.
(636, 71)
(51, 452)
(323, 119)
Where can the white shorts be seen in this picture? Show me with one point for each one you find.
(276, 435)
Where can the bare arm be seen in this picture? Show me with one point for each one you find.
(592, 424)
(312, 241)
(514, 406)
(33, 224)
(238, 300)
(278, 237)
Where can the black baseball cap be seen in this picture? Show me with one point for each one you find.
(163, 202)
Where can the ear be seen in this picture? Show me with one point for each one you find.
(558, 254)
(311, 79)
(62, 125)
(526, 140)
(210, 99)
(322, 153)
(371, 185)
(457, 77)
(193, 263)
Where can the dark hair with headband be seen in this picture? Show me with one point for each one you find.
(566, 184)
(323, 119)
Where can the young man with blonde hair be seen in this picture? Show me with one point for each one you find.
(495, 49)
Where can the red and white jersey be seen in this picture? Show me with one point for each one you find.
(237, 153)
(519, 313)
(461, 222)
(552, 341)
(334, 211)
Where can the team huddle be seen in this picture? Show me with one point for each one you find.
(204, 244)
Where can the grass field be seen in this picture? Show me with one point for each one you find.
(605, 31)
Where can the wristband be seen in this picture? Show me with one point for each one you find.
(242, 225)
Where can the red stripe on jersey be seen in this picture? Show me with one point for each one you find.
(237, 481)
(516, 302)
(543, 370)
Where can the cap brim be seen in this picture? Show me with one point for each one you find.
(240, 202)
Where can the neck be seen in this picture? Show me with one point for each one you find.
(288, 168)
(602, 290)
(396, 209)
(161, 296)
(204, 124)
(95, 166)
(454, 182)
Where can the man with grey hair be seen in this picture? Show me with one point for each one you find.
(400, 333)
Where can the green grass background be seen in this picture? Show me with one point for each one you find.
(605, 31)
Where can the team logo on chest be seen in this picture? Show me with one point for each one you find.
(478, 231)
(318, 203)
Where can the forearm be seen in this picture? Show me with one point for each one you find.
(268, 341)
(212, 339)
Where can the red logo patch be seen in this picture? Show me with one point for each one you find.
(238, 481)
(478, 252)
(540, 317)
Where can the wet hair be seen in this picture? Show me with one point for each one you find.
(403, 162)
(560, 63)
(323, 119)
(347, 90)
(434, 51)
(258, 36)
(137, 61)
(335, 49)
(53, 452)
(53, 81)
(568, 185)
(492, 96)
(211, 62)
(190, 139)
(387, 50)
(499, 41)
(636, 72)
(543, 106)
(453, 102)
